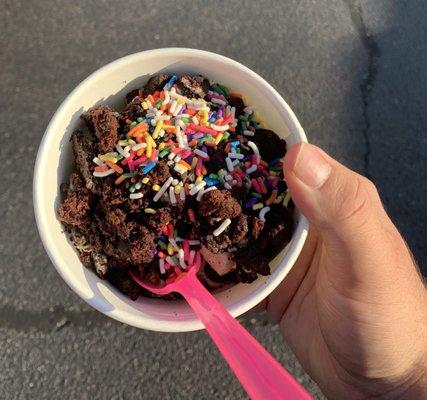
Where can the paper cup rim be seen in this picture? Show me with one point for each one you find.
(132, 318)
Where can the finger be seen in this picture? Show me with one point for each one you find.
(278, 301)
(343, 206)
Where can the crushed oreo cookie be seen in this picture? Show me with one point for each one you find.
(184, 168)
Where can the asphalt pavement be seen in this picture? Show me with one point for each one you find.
(354, 72)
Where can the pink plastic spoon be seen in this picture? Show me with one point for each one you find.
(259, 373)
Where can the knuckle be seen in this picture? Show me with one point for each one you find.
(352, 201)
(369, 186)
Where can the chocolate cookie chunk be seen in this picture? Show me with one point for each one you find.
(256, 227)
(142, 246)
(161, 218)
(100, 264)
(230, 239)
(160, 174)
(117, 219)
(82, 245)
(250, 262)
(105, 228)
(134, 93)
(112, 195)
(102, 121)
(218, 205)
(187, 229)
(156, 82)
(277, 230)
(237, 103)
(193, 86)
(121, 279)
(118, 253)
(135, 206)
(216, 244)
(84, 149)
(150, 273)
(216, 158)
(133, 109)
(239, 229)
(74, 209)
(269, 144)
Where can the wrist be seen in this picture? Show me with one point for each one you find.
(409, 377)
(413, 385)
(410, 383)
(399, 378)
(416, 390)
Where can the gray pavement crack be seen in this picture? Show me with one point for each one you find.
(368, 80)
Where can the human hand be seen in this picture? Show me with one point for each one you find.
(354, 307)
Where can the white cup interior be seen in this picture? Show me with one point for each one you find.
(109, 85)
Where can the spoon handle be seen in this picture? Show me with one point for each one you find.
(258, 372)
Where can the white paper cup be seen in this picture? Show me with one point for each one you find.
(109, 85)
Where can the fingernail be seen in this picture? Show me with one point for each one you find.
(311, 167)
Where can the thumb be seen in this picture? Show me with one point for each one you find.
(342, 205)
